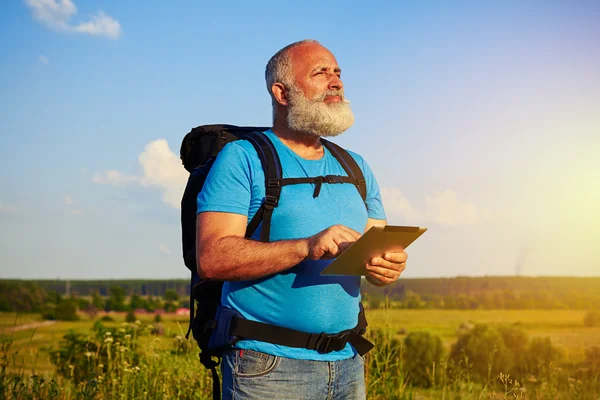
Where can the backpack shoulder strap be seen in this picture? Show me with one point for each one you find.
(350, 166)
(273, 175)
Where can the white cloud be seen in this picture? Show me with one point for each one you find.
(7, 208)
(444, 208)
(44, 60)
(164, 249)
(76, 212)
(56, 15)
(395, 203)
(114, 178)
(163, 169)
(68, 201)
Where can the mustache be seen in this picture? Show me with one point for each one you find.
(327, 93)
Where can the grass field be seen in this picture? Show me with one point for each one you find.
(31, 343)
(564, 327)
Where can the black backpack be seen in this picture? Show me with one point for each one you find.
(199, 149)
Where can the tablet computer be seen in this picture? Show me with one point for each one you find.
(377, 241)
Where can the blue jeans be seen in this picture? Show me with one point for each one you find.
(253, 375)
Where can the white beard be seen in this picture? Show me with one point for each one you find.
(314, 117)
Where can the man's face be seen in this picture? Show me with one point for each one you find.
(316, 102)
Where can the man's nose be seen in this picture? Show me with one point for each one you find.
(335, 83)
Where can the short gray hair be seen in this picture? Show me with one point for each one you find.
(279, 67)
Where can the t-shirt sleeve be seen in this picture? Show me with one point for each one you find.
(375, 208)
(228, 184)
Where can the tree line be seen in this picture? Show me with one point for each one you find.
(437, 293)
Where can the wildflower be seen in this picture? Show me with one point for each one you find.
(107, 333)
(100, 366)
(108, 340)
(121, 330)
(136, 368)
(89, 354)
(128, 336)
(532, 379)
(137, 321)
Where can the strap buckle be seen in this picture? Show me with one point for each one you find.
(274, 183)
(334, 179)
(271, 202)
(328, 343)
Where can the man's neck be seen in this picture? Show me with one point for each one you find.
(306, 146)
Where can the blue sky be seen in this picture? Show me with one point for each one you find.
(480, 120)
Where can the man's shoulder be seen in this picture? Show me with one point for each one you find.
(357, 157)
(240, 148)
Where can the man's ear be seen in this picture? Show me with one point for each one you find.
(279, 93)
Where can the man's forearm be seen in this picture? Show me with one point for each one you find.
(234, 258)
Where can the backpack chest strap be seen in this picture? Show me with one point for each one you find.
(318, 181)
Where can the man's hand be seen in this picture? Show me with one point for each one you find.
(331, 242)
(383, 271)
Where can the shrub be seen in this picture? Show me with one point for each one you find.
(65, 310)
(542, 356)
(483, 351)
(592, 360)
(422, 353)
(75, 357)
(79, 357)
(517, 341)
(592, 319)
(130, 317)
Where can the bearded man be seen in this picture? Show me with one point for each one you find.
(278, 282)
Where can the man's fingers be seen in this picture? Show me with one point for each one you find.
(380, 262)
(398, 257)
(386, 272)
(351, 232)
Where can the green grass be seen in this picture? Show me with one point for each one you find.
(564, 327)
(163, 374)
(31, 343)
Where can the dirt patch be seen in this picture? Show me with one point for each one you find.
(31, 325)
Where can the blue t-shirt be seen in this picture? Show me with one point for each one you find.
(298, 298)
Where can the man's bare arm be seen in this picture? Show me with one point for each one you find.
(222, 252)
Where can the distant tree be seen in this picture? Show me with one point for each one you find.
(592, 319)
(91, 311)
(130, 317)
(116, 299)
(97, 300)
(65, 310)
(422, 353)
(136, 302)
(171, 295)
